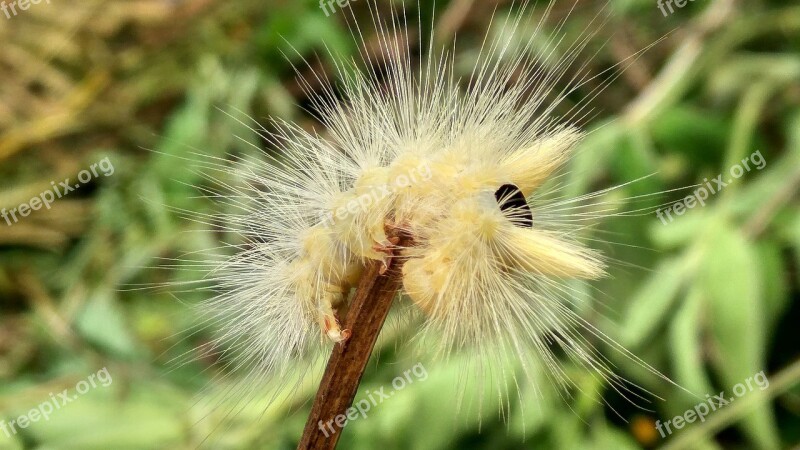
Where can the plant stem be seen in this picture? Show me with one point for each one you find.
(368, 310)
(786, 379)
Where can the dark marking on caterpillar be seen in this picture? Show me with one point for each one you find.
(513, 204)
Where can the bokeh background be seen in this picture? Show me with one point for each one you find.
(710, 299)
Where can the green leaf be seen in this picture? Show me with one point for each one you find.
(730, 280)
(102, 322)
(775, 286)
(680, 231)
(692, 132)
(635, 159)
(147, 417)
(739, 71)
(761, 184)
(650, 307)
(428, 402)
(599, 145)
(685, 333)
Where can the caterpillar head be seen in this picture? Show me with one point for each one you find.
(475, 230)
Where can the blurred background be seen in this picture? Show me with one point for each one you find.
(709, 299)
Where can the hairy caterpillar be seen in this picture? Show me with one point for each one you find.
(459, 169)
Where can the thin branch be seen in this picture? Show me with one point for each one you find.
(786, 379)
(368, 310)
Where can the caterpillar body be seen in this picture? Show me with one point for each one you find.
(459, 170)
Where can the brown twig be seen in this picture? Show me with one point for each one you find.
(453, 19)
(365, 318)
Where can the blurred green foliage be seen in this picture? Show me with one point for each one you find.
(709, 300)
